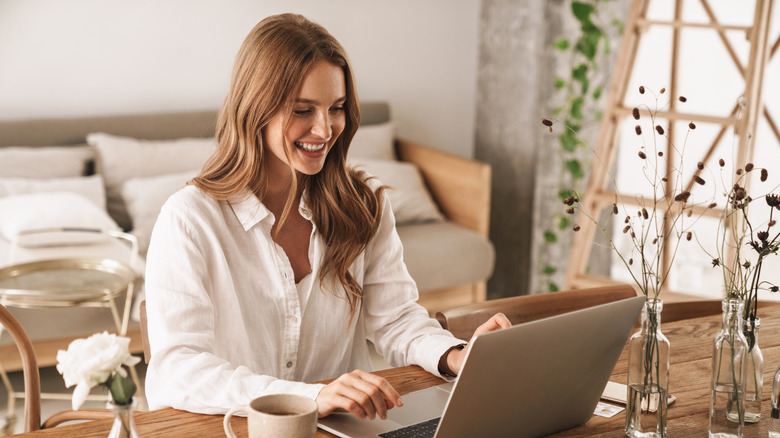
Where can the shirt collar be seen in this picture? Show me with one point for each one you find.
(250, 210)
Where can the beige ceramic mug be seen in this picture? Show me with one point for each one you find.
(277, 416)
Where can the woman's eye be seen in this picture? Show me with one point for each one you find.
(337, 109)
(302, 112)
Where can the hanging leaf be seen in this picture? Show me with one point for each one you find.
(588, 45)
(553, 287)
(575, 168)
(559, 83)
(576, 108)
(580, 74)
(569, 141)
(573, 126)
(597, 93)
(550, 237)
(563, 222)
(549, 270)
(582, 11)
(618, 24)
(562, 44)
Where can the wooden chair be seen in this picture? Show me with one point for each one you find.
(462, 321)
(32, 382)
(678, 311)
(32, 377)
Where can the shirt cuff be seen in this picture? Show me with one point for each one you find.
(435, 348)
(310, 390)
(444, 369)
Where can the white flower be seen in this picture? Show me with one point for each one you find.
(90, 362)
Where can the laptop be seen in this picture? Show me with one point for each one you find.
(527, 380)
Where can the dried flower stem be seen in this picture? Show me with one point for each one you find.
(660, 224)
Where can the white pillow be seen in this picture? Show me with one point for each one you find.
(44, 162)
(144, 198)
(122, 158)
(90, 187)
(374, 142)
(408, 195)
(35, 211)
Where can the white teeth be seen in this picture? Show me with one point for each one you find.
(311, 147)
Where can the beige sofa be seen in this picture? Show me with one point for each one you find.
(450, 259)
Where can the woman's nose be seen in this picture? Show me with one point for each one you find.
(322, 126)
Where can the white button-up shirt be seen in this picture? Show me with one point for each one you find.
(227, 322)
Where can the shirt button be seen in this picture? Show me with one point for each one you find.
(289, 364)
(284, 275)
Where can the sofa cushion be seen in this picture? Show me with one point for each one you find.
(47, 210)
(145, 197)
(374, 141)
(90, 187)
(45, 162)
(409, 198)
(444, 254)
(122, 158)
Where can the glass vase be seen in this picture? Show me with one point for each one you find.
(754, 385)
(124, 425)
(727, 400)
(648, 376)
(774, 417)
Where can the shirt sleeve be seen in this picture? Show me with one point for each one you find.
(401, 329)
(184, 372)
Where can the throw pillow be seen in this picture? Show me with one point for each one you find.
(51, 210)
(44, 162)
(410, 200)
(90, 187)
(374, 142)
(122, 158)
(144, 198)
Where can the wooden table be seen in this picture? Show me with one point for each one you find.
(691, 343)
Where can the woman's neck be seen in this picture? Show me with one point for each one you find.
(278, 190)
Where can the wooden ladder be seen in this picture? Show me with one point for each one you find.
(598, 195)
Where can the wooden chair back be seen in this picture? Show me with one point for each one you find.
(32, 383)
(144, 332)
(32, 378)
(462, 321)
(681, 310)
(678, 311)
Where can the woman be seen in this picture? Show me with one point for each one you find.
(278, 262)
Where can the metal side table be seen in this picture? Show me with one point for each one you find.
(69, 282)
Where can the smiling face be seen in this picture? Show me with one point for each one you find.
(317, 120)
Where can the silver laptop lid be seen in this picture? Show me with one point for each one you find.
(540, 377)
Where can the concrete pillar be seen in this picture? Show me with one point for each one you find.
(517, 64)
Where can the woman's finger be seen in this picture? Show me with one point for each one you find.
(497, 321)
(382, 395)
(389, 393)
(365, 395)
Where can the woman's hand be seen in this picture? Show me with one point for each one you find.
(362, 394)
(456, 357)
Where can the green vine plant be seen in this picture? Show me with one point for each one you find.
(582, 91)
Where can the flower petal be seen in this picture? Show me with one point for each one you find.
(80, 394)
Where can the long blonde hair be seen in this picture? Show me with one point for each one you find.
(269, 70)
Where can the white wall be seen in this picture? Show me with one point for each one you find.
(91, 57)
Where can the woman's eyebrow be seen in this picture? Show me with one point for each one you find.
(315, 102)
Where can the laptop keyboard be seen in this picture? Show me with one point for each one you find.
(426, 429)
